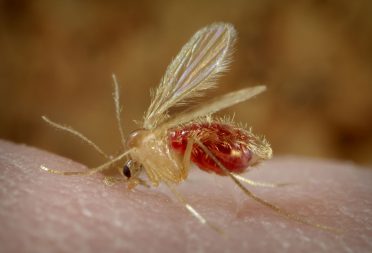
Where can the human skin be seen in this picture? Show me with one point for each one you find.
(42, 212)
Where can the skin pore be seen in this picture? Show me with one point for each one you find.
(42, 212)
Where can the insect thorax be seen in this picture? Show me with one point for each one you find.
(152, 151)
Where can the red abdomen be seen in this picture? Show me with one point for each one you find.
(228, 143)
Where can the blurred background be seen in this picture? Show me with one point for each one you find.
(57, 57)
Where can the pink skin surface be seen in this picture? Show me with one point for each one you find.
(41, 212)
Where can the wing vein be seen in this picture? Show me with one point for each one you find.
(194, 70)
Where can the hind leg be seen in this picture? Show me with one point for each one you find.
(250, 194)
(257, 183)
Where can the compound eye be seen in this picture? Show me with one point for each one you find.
(126, 169)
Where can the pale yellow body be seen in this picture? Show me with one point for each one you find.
(152, 153)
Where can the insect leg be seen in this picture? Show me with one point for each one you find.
(256, 183)
(192, 210)
(273, 207)
(118, 109)
(77, 134)
(111, 180)
(187, 157)
(103, 167)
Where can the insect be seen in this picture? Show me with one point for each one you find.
(162, 150)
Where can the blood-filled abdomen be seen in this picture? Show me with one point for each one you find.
(227, 143)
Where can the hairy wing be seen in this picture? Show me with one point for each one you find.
(212, 106)
(195, 69)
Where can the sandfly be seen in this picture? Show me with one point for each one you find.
(162, 150)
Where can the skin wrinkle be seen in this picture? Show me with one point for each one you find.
(40, 212)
